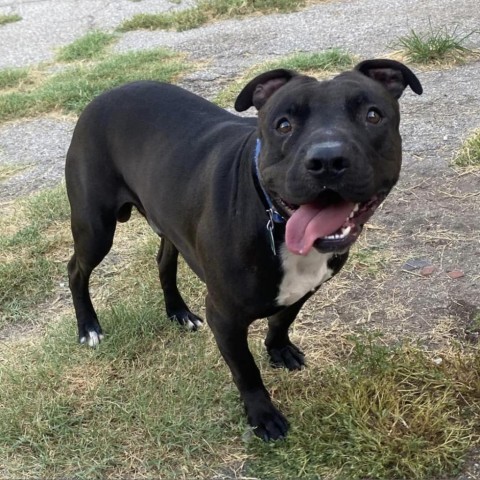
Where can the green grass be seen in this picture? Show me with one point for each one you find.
(383, 413)
(29, 265)
(90, 46)
(318, 63)
(208, 11)
(4, 19)
(155, 401)
(71, 90)
(106, 423)
(13, 77)
(327, 61)
(369, 259)
(435, 46)
(469, 155)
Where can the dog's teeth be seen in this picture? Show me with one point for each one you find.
(338, 236)
(354, 211)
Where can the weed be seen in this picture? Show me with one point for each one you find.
(435, 46)
(49, 207)
(206, 11)
(71, 90)
(469, 155)
(24, 282)
(331, 60)
(318, 63)
(181, 20)
(88, 47)
(12, 77)
(4, 19)
(74, 89)
(368, 259)
(29, 265)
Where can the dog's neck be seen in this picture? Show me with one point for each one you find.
(273, 215)
(262, 192)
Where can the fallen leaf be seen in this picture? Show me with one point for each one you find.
(427, 271)
(455, 274)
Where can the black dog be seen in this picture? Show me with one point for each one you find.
(263, 211)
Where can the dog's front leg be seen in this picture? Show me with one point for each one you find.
(282, 352)
(231, 336)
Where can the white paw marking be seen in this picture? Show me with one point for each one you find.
(189, 324)
(93, 338)
(301, 274)
(198, 323)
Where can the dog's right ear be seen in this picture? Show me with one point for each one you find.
(261, 88)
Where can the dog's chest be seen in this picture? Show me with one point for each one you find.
(302, 274)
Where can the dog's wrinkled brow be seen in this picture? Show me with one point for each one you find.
(354, 101)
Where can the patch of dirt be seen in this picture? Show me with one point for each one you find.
(431, 220)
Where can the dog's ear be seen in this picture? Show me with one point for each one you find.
(393, 75)
(261, 88)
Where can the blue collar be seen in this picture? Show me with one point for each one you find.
(271, 210)
(273, 216)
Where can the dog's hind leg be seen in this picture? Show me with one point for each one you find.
(93, 238)
(282, 352)
(175, 306)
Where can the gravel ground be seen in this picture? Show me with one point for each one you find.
(367, 28)
(430, 195)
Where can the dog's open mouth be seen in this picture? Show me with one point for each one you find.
(330, 223)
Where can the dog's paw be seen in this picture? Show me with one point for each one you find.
(187, 319)
(267, 422)
(288, 356)
(92, 338)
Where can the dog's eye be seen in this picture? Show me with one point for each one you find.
(284, 126)
(373, 116)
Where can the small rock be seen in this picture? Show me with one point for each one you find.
(455, 274)
(437, 361)
(427, 271)
(415, 264)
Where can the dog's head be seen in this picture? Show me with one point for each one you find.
(331, 150)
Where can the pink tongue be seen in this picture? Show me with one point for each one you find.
(311, 222)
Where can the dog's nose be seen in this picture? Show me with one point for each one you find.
(327, 159)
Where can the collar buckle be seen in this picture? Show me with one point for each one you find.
(270, 229)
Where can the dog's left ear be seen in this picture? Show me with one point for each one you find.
(261, 88)
(394, 76)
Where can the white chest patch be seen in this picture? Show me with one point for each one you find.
(302, 274)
